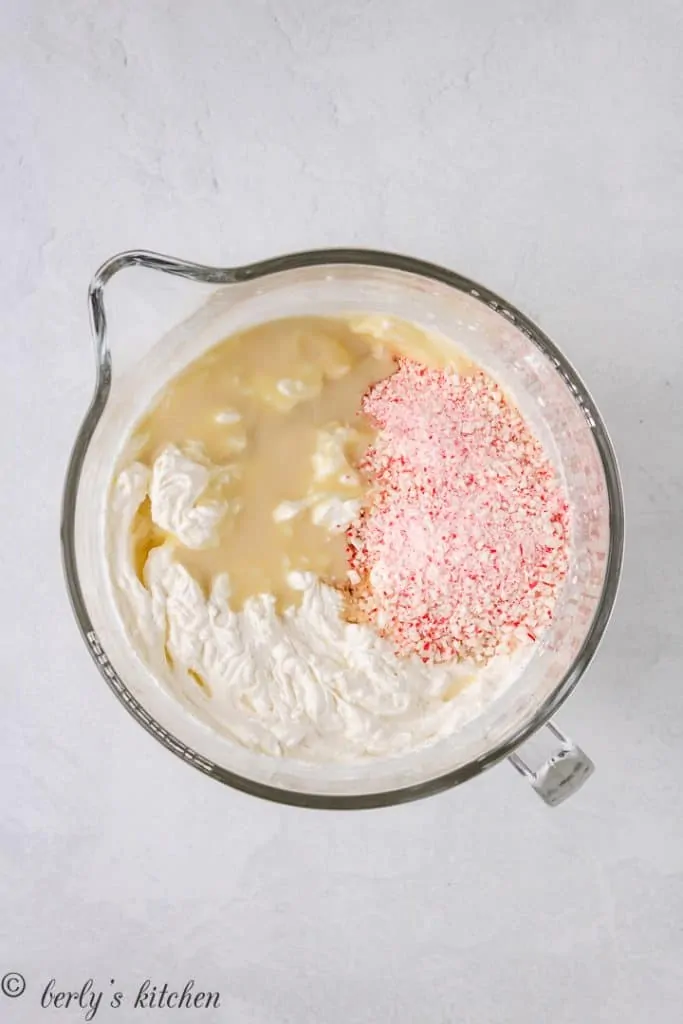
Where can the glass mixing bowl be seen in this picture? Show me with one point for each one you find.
(547, 390)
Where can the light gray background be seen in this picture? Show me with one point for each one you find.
(536, 146)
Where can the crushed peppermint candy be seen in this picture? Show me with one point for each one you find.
(462, 547)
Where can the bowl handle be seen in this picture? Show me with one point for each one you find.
(561, 773)
(151, 261)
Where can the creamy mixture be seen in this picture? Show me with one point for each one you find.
(260, 526)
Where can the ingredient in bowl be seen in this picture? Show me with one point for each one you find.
(260, 436)
(463, 546)
(335, 539)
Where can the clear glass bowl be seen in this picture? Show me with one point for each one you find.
(495, 335)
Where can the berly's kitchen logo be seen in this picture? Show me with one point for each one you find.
(89, 998)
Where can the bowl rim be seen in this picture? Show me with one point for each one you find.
(330, 258)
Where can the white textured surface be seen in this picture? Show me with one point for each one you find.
(536, 146)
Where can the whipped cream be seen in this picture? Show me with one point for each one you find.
(331, 468)
(306, 683)
(176, 485)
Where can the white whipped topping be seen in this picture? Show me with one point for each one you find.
(329, 511)
(299, 389)
(287, 510)
(334, 513)
(176, 486)
(329, 457)
(330, 466)
(305, 684)
(227, 417)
